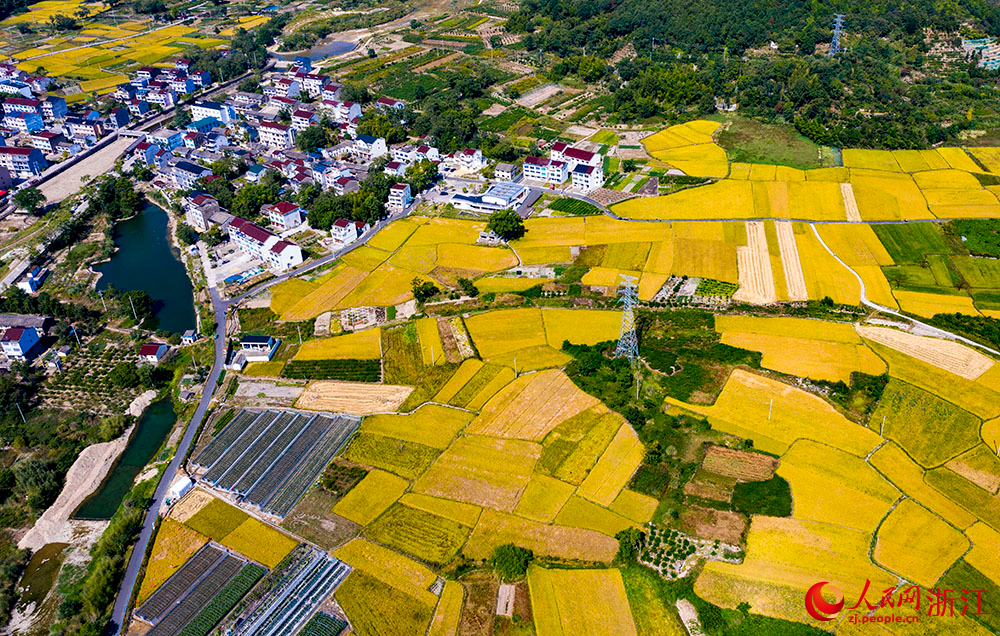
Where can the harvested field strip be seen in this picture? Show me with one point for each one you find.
(918, 545)
(430, 341)
(497, 528)
(483, 377)
(431, 425)
(614, 468)
(738, 464)
(581, 513)
(562, 602)
(173, 546)
(423, 535)
(746, 400)
(326, 296)
(463, 513)
(531, 406)
(391, 568)
(543, 498)
(356, 398)
(753, 261)
(985, 506)
(853, 493)
(908, 476)
(981, 466)
(795, 283)
(371, 497)
(850, 203)
(949, 355)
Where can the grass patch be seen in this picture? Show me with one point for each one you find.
(911, 242)
(963, 576)
(575, 207)
(772, 497)
(749, 141)
(348, 370)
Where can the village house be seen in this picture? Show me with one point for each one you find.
(152, 352)
(346, 232)
(253, 240)
(17, 342)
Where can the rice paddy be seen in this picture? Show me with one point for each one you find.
(917, 544)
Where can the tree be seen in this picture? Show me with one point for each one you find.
(630, 541)
(423, 290)
(506, 224)
(213, 236)
(511, 561)
(186, 234)
(124, 375)
(421, 175)
(35, 481)
(311, 139)
(181, 117)
(112, 426)
(251, 197)
(468, 287)
(29, 199)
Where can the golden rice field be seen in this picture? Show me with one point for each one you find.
(430, 341)
(807, 358)
(917, 544)
(497, 528)
(543, 498)
(390, 567)
(982, 555)
(582, 513)
(448, 614)
(173, 546)
(359, 345)
(926, 305)
(614, 468)
(459, 379)
(463, 513)
(431, 424)
(40, 12)
(634, 506)
(563, 602)
(260, 542)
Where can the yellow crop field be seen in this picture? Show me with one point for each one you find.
(260, 542)
(437, 231)
(982, 556)
(463, 513)
(950, 198)
(90, 86)
(286, 294)
(917, 544)
(582, 513)
(958, 159)
(448, 614)
(499, 332)
(601, 230)
(503, 377)
(742, 409)
(416, 258)
(365, 258)
(910, 160)
(700, 160)
(784, 558)
(626, 255)
(485, 471)
(604, 277)
(836, 175)
(908, 476)
(484, 259)
(706, 259)
(431, 425)
(946, 354)
(661, 257)
(579, 326)
(543, 498)
(564, 602)
(798, 327)
(508, 284)
(649, 284)
(541, 255)
(533, 359)
(831, 361)
(552, 232)
(870, 159)
(359, 345)
(692, 132)
(762, 172)
(40, 12)
(855, 244)
(454, 384)
(497, 528)
(371, 497)
(934, 159)
(173, 546)
(430, 341)
(926, 305)
(385, 286)
(988, 156)
(391, 237)
(853, 493)
(614, 469)
(740, 171)
(324, 298)
(786, 173)
(584, 439)
(391, 568)
(946, 179)
(635, 506)
(823, 274)
(884, 196)
(820, 200)
(726, 199)
(531, 406)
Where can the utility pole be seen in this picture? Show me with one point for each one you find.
(77, 338)
(134, 315)
(299, 329)
(21, 412)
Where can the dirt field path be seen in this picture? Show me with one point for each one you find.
(795, 282)
(850, 203)
(754, 263)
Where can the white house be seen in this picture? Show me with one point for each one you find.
(345, 232)
(507, 172)
(585, 167)
(152, 352)
(258, 348)
(470, 159)
(276, 135)
(399, 197)
(587, 177)
(547, 170)
(284, 215)
(429, 153)
(368, 147)
(17, 342)
(223, 112)
(340, 112)
(33, 280)
(302, 119)
(251, 239)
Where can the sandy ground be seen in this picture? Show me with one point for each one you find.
(84, 477)
(69, 182)
(356, 398)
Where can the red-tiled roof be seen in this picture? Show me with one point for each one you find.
(285, 207)
(13, 334)
(149, 349)
(280, 246)
(576, 153)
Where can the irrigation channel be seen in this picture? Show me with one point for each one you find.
(146, 260)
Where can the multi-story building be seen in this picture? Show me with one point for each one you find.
(54, 107)
(14, 87)
(162, 97)
(399, 197)
(368, 147)
(547, 170)
(198, 210)
(345, 185)
(403, 153)
(263, 245)
(302, 119)
(587, 177)
(118, 117)
(340, 112)
(46, 140)
(13, 105)
(344, 232)
(23, 162)
(499, 196)
(388, 103)
(331, 92)
(187, 173)
(276, 135)
(167, 138)
(17, 342)
(80, 127)
(507, 172)
(574, 156)
(284, 215)
(222, 112)
(284, 87)
(24, 122)
(312, 83)
(182, 85)
(138, 107)
(430, 153)
(470, 160)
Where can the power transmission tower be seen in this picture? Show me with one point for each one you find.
(838, 27)
(628, 343)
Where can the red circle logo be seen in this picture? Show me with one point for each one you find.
(818, 607)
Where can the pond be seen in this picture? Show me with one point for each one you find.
(150, 431)
(146, 260)
(321, 51)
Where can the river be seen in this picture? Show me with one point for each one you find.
(150, 431)
(321, 51)
(146, 260)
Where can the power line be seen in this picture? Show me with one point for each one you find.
(838, 26)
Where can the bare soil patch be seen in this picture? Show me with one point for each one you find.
(741, 465)
(714, 525)
(480, 604)
(353, 397)
(311, 519)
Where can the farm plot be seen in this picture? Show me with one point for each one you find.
(615, 467)
(424, 535)
(353, 397)
(746, 400)
(360, 345)
(196, 596)
(497, 528)
(721, 200)
(224, 601)
(930, 429)
(800, 327)
(543, 498)
(462, 513)
(917, 544)
(328, 295)
(741, 465)
(853, 493)
(489, 472)
(928, 305)
(795, 283)
(430, 341)
(392, 568)
(980, 466)
(448, 614)
(432, 425)
(376, 608)
(371, 497)
(582, 513)
(173, 546)
(531, 406)
(949, 355)
(484, 385)
(820, 360)
(884, 196)
(290, 603)
(501, 332)
(178, 585)
(407, 459)
(756, 279)
(573, 447)
(562, 602)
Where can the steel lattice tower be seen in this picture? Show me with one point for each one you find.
(838, 26)
(628, 343)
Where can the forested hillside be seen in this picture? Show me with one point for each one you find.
(901, 83)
